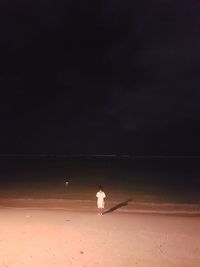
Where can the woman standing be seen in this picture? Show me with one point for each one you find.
(100, 200)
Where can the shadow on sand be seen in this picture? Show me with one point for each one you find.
(125, 203)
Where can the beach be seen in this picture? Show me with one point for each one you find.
(62, 233)
(151, 217)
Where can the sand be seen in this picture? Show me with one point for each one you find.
(46, 235)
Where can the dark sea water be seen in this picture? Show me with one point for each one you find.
(141, 179)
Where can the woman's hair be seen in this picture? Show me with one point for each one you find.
(101, 187)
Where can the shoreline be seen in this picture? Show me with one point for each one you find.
(128, 206)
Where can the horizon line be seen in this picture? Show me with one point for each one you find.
(114, 155)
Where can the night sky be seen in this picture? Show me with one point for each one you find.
(81, 77)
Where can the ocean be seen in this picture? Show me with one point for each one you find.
(147, 179)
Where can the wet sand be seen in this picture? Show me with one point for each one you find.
(70, 233)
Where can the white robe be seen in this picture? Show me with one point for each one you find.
(100, 199)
